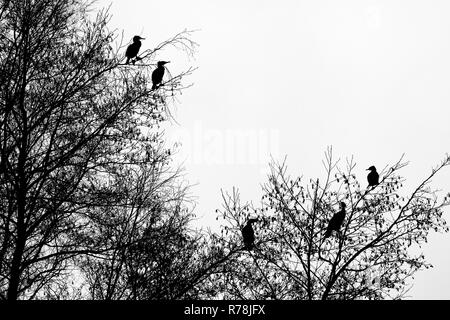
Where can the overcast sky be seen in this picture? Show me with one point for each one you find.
(370, 78)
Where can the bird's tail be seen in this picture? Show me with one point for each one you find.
(154, 86)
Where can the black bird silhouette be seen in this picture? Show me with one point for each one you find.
(372, 177)
(158, 74)
(248, 234)
(336, 221)
(133, 49)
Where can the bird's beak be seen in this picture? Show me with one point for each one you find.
(141, 38)
(368, 169)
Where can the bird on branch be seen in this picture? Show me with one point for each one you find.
(158, 74)
(336, 221)
(133, 49)
(372, 177)
(248, 234)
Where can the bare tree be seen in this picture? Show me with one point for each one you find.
(149, 231)
(156, 254)
(74, 122)
(371, 256)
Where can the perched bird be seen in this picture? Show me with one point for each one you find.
(372, 177)
(158, 74)
(133, 49)
(248, 234)
(336, 221)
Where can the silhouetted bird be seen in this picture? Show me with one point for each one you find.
(158, 74)
(133, 49)
(248, 234)
(336, 221)
(372, 177)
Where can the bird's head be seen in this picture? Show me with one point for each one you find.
(372, 168)
(162, 63)
(137, 38)
(342, 205)
(252, 220)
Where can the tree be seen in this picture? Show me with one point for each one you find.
(369, 258)
(74, 123)
(157, 255)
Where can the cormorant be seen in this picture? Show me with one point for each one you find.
(248, 234)
(336, 221)
(372, 177)
(133, 49)
(158, 74)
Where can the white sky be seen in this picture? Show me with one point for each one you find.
(370, 78)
